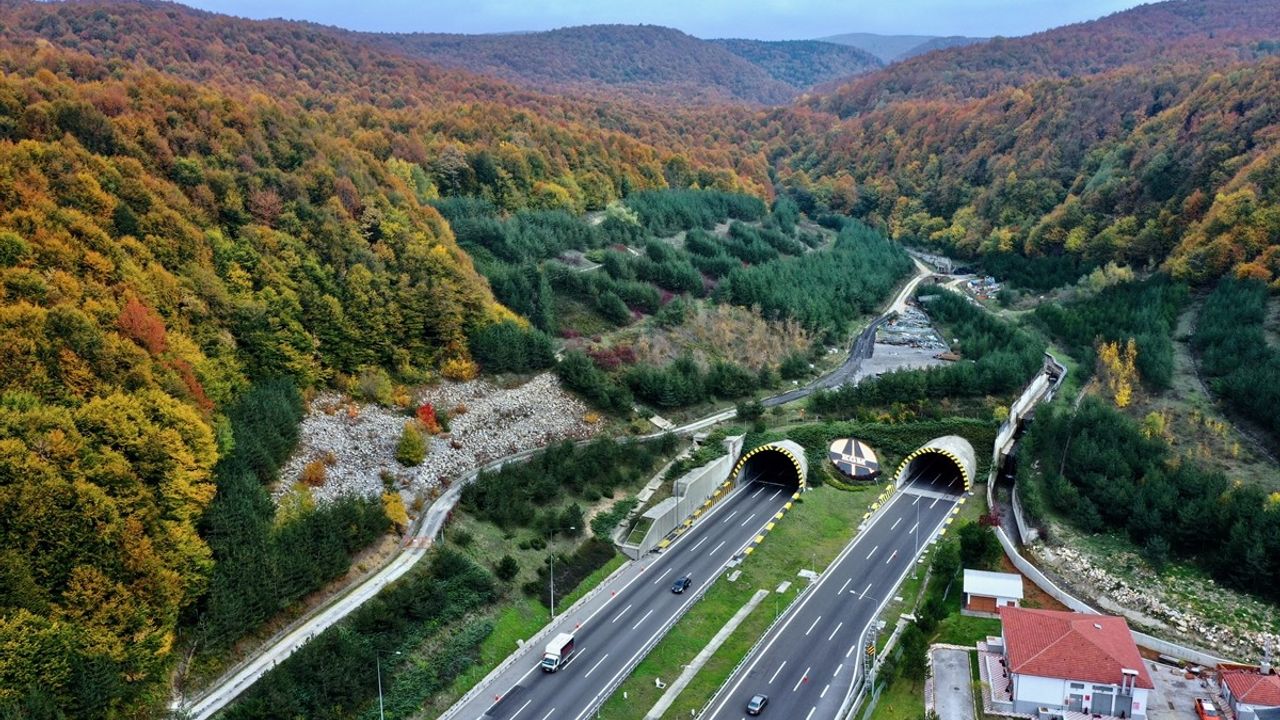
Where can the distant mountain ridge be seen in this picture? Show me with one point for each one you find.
(646, 61)
(894, 48)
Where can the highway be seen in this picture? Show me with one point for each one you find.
(614, 633)
(806, 663)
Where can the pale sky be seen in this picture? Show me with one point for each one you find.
(760, 19)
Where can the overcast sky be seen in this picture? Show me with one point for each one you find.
(761, 19)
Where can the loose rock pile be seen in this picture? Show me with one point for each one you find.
(492, 422)
(1254, 623)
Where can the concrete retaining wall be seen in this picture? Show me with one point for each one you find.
(1028, 533)
(691, 490)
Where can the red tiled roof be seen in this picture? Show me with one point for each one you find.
(1071, 646)
(1253, 688)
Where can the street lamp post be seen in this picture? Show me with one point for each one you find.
(553, 572)
(378, 664)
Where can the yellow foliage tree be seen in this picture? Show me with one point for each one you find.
(1118, 369)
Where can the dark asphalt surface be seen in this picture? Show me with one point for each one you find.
(617, 638)
(858, 351)
(806, 664)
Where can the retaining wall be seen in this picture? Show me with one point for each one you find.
(692, 490)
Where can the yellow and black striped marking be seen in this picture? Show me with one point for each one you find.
(775, 448)
(964, 473)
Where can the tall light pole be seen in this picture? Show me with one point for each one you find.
(378, 664)
(553, 572)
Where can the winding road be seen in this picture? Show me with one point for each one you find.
(422, 534)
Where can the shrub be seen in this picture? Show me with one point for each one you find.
(313, 473)
(459, 369)
(507, 568)
(412, 448)
(393, 506)
(374, 385)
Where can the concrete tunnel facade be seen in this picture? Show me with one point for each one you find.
(783, 460)
(953, 448)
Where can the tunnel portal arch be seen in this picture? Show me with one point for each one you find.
(954, 448)
(782, 461)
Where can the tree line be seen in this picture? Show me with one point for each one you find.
(335, 675)
(1098, 469)
(1242, 366)
(1145, 310)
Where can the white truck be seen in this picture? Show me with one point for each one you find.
(559, 650)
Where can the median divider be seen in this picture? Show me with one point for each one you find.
(769, 527)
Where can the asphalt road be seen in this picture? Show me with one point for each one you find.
(806, 664)
(614, 636)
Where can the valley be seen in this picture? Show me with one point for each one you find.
(343, 365)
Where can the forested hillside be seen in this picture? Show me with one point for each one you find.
(1171, 165)
(639, 60)
(803, 63)
(198, 214)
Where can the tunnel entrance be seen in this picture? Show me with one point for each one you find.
(780, 463)
(933, 471)
(944, 465)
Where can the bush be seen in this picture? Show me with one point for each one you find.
(604, 522)
(507, 568)
(374, 385)
(412, 448)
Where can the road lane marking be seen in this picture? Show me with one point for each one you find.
(917, 500)
(775, 494)
(735, 512)
(864, 592)
(593, 667)
(815, 622)
(935, 502)
(913, 528)
(845, 585)
(722, 542)
(838, 669)
(775, 672)
(744, 522)
(833, 632)
(806, 717)
(753, 495)
(803, 677)
(624, 612)
(664, 574)
(895, 523)
(695, 545)
(741, 676)
(851, 649)
(553, 711)
(646, 617)
(891, 557)
(824, 691)
(873, 552)
(522, 707)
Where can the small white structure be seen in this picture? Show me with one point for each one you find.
(1064, 661)
(985, 592)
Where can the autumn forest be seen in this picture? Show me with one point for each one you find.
(204, 220)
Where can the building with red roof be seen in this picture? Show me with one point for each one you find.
(1072, 661)
(1249, 690)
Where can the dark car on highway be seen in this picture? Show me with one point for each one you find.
(681, 584)
(757, 703)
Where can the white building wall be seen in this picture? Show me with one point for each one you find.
(1031, 692)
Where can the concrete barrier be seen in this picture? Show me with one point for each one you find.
(693, 491)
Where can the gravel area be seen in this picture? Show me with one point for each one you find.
(362, 438)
